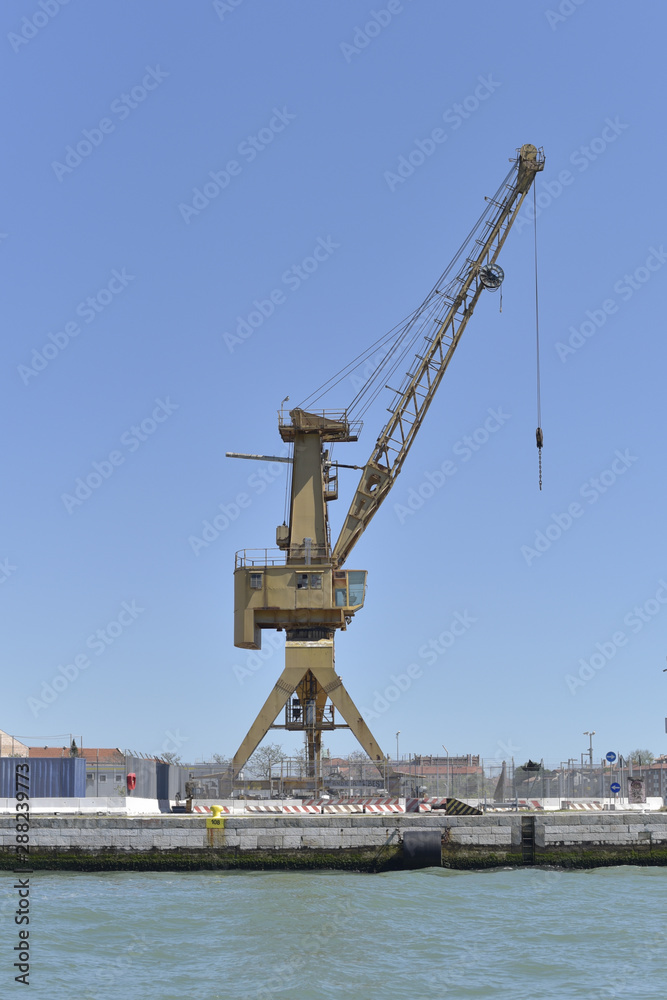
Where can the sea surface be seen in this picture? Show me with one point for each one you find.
(510, 934)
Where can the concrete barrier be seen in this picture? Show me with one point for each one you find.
(95, 805)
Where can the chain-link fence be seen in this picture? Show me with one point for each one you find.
(470, 777)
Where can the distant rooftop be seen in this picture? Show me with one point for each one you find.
(10, 746)
(104, 754)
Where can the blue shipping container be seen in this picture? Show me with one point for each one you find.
(49, 777)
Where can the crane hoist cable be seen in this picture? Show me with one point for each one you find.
(349, 367)
(538, 433)
(288, 482)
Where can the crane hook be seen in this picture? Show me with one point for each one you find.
(540, 442)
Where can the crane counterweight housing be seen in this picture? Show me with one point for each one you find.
(302, 587)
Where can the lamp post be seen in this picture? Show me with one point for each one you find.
(400, 780)
(446, 770)
(590, 735)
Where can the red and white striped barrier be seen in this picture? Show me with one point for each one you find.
(353, 805)
(327, 806)
(417, 805)
(317, 807)
(583, 805)
(343, 807)
(375, 806)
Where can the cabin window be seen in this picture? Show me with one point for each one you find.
(302, 581)
(356, 580)
(255, 581)
(315, 581)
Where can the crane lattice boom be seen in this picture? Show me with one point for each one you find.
(414, 397)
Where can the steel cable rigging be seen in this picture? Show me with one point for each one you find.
(402, 339)
(539, 436)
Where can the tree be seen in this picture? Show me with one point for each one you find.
(640, 757)
(74, 750)
(171, 758)
(360, 758)
(301, 759)
(264, 759)
(220, 759)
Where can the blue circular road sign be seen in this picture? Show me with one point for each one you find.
(611, 756)
(615, 787)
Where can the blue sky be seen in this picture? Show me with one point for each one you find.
(125, 294)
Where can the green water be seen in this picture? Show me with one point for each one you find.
(431, 934)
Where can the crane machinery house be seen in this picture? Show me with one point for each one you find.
(295, 586)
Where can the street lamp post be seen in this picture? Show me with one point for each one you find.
(590, 735)
(400, 784)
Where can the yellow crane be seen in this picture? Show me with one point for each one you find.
(302, 587)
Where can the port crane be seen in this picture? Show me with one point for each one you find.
(304, 587)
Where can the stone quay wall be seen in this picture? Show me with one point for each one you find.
(355, 842)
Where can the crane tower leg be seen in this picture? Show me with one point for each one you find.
(309, 673)
(284, 687)
(322, 666)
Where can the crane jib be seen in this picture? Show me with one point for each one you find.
(411, 402)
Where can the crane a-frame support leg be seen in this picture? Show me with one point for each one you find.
(300, 658)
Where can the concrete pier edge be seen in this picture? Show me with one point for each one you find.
(347, 842)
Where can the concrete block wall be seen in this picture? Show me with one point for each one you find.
(315, 833)
(493, 830)
(330, 833)
(249, 833)
(100, 833)
(610, 828)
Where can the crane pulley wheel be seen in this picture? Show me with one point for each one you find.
(492, 276)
